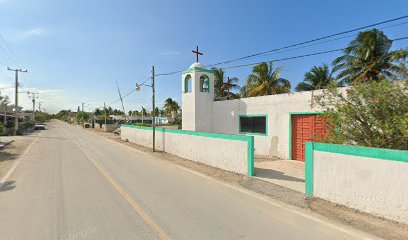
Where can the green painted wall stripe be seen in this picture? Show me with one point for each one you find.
(248, 139)
(378, 153)
(309, 168)
(201, 134)
(251, 149)
(197, 69)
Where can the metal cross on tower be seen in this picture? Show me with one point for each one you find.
(197, 53)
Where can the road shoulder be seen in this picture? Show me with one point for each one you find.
(336, 213)
(10, 153)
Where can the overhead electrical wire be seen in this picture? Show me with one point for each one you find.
(293, 57)
(316, 39)
(16, 59)
(132, 90)
(299, 44)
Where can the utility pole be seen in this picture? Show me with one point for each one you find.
(33, 100)
(154, 111)
(121, 100)
(154, 108)
(5, 115)
(83, 114)
(39, 106)
(142, 115)
(104, 107)
(16, 99)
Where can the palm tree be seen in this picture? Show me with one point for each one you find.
(265, 80)
(156, 112)
(231, 84)
(244, 91)
(170, 106)
(319, 77)
(221, 87)
(368, 57)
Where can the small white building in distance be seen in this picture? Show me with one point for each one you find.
(280, 124)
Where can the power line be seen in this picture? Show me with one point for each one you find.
(314, 40)
(16, 59)
(297, 44)
(330, 40)
(302, 56)
(290, 58)
(132, 90)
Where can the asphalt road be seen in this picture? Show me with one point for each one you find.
(73, 184)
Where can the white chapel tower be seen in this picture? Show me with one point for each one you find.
(197, 97)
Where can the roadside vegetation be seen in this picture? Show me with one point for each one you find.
(373, 113)
(370, 114)
(374, 110)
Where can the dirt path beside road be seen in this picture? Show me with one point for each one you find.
(10, 153)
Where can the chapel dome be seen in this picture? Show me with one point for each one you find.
(197, 65)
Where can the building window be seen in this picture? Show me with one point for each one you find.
(253, 124)
(187, 84)
(204, 83)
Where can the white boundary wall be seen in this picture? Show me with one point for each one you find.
(228, 152)
(277, 108)
(368, 179)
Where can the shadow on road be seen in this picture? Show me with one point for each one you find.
(6, 156)
(273, 174)
(8, 185)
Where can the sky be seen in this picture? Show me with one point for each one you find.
(75, 50)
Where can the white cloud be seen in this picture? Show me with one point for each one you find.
(171, 53)
(33, 32)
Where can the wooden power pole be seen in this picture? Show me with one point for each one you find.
(154, 112)
(16, 99)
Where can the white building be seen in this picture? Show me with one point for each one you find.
(280, 124)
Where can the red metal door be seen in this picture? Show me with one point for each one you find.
(319, 128)
(302, 128)
(306, 128)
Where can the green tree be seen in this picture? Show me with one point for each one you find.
(219, 88)
(97, 111)
(3, 129)
(170, 106)
(143, 112)
(63, 115)
(319, 77)
(101, 116)
(372, 114)
(42, 116)
(83, 117)
(5, 100)
(265, 80)
(368, 57)
(156, 112)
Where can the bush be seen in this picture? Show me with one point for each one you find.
(371, 114)
(3, 129)
(42, 117)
